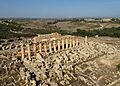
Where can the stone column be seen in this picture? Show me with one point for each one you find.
(34, 46)
(40, 47)
(73, 40)
(54, 45)
(45, 47)
(22, 52)
(58, 45)
(76, 42)
(29, 52)
(85, 40)
(70, 42)
(62, 43)
(50, 47)
(66, 43)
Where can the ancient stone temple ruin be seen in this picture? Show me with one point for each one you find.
(48, 44)
(56, 60)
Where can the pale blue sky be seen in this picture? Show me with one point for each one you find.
(59, 8)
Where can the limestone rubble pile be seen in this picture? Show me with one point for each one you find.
(10, 72)
(62, 68)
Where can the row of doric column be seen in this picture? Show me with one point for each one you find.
(48, 46)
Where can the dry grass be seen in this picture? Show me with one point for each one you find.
(66, 25)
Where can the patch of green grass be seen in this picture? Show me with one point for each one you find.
(118, 66)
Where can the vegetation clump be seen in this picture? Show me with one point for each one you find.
(14, 30)
(118, 66)
(111, 32)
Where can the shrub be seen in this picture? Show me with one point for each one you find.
(118, 66)
(112, 32)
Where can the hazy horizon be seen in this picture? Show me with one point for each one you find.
(59, 9)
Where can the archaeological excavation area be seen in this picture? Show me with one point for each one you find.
(57, 60)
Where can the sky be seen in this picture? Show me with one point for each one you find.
(59, 8)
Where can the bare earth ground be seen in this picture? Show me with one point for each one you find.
(67, 25)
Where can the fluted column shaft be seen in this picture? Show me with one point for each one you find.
(58, 45)
(45, 47)
(62, 44)
(34, 47)
(70, 43)
(22, 52)
(66, 43)
(50, 47)
(29, 52)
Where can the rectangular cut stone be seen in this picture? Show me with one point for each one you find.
(50, 47)
(54, 44)
(22, 52)
(62, 44)
(66, 43)
(58, 45)
(29, 52)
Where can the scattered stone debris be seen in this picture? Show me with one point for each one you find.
(89, 64)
